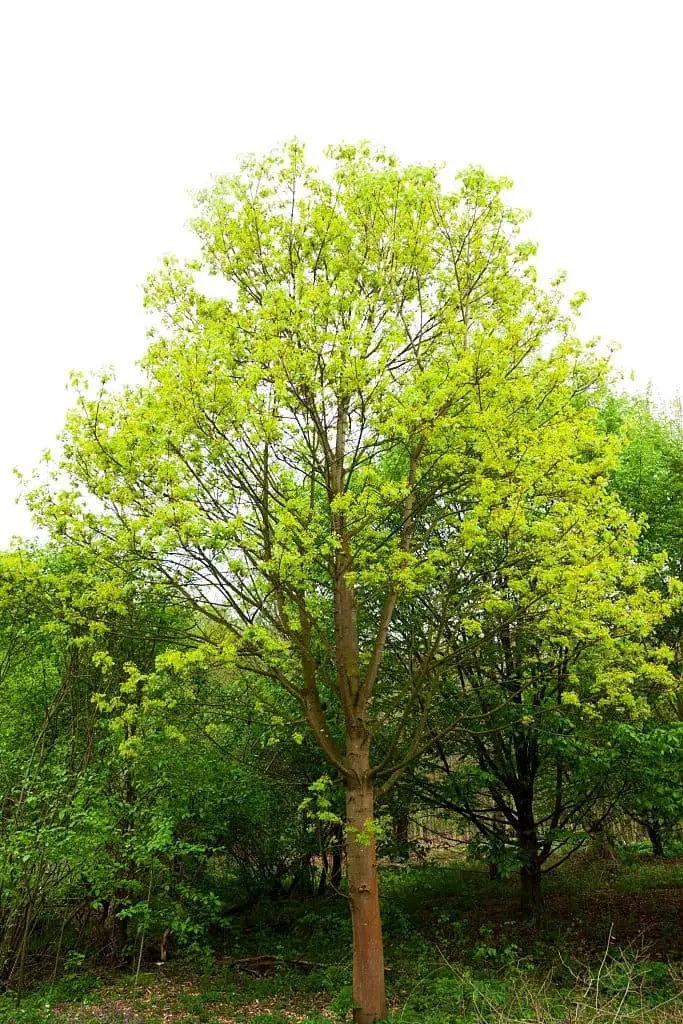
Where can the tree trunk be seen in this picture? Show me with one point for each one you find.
(116, 927)
(500, 830)
(531, 889)
(324, 869)
(655, 836)
(402, 837)
(530, 875)
(369, 998)
(337, 857)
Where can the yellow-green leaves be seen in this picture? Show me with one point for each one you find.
(372, 414)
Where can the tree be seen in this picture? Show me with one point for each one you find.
(67, 796)
(652, 767)
(649, 481)
(536, 764)
(119, 782)
(567, 705)
(568, 652)
(344, 392)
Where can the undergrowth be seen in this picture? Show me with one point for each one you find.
(608, 949)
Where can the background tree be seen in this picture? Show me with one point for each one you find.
(652, 769)
(568, 649)
(649, 481)
(79, 820)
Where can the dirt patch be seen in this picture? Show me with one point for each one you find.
(650, 920)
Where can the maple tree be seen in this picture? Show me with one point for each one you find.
(357, 404)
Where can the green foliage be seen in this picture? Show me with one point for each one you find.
(371, 512)
(364, 405)
(649, 480)
(465, 967)
(131, 797)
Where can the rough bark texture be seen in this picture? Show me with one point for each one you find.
(369, 996)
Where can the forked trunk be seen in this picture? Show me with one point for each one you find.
(369, 997)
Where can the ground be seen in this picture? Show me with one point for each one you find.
(609, 948)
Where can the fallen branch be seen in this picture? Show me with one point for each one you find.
(260, 965)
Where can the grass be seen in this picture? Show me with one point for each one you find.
(609, 949)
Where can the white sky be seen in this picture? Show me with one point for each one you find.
(111, 112)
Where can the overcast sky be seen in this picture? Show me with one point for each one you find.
(111, 112)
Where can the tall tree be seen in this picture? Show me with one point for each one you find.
(345, 392)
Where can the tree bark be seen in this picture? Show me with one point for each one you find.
(530, 876)
(369, 997)
(603, 845)
(499, 827)
(402, 837)
(654, 833)
(531, 889)
(324, 870)
(337, 857)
